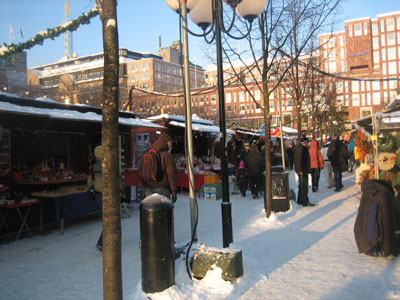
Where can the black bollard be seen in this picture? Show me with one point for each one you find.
(157, 243)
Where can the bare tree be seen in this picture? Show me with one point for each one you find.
(112, 272)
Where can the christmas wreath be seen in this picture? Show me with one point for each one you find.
(386, 161)
(387, 143)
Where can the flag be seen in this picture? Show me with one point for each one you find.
(12, 36)
(20, 31)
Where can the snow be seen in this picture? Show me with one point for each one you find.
(305, 253)
(70, 114)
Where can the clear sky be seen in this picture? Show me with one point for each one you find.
(140, 23)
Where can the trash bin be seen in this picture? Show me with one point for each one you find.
(280, 191)
(157, 243)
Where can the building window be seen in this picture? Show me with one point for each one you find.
(339, 86)
(341, 40)
(382, 25)
(257, 95)
(392, 68)
(365, 112)
(289, 105)
(332, 67)
(272, 107)
(368, 99)
(376, 57)
(355, 86)
(228, 98)
(242, 107)
(383, 40)
(356, 99)
(398, 23)
(350, 30)
(391, 53)
(376, 98)
(392, 84)
(383, 54)
(342, 53)
(384, 71)
(391, 39)
(339, 100)
(229, 108)
(357, 29)
(332, 54)
(374, 29)
(331, 43)
(213, 99)
(376, 85)
(390, 24)
(343, 66)
(214, 109)
(365, 28)
(241, 96)
(375, 43)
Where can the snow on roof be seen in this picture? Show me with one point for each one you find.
(68, 114)
(98, 63)
(195, 119)
(198, 124)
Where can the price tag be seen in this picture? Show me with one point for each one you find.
(374, 137)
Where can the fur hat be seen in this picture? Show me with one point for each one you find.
(165, 137)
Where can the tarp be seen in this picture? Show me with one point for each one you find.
(276, 132)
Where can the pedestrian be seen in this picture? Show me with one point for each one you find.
(245, 150)
(316, 163)
(302, 168)
(350, 147)
(254, 165)
(242, 179)
(167, 186)
(328, 171)
(290, 154)
(95, 184)
(334, 155)
(344, 156)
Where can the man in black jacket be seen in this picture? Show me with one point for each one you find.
(254, 166)
(334, 155)
(302, 168)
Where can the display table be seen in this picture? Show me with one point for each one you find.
(19, 208)
(183, 180)
(69, 205)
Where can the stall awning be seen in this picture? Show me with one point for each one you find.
(276, 132)
(34, 114)
(198, 124)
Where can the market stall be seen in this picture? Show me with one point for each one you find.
(378, 143)
(45, 148)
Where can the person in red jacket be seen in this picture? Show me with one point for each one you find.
(316, 163)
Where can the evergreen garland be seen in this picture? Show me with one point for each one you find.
(51, 33)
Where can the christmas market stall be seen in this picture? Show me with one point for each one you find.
(205, 144)
(378, 144)
(45, 152)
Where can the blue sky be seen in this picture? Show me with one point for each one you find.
(140, 23)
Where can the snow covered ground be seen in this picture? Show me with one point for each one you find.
(305, 253)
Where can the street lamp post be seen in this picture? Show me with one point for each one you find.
(204, 14)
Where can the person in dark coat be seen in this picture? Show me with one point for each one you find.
(374, 229)
(242, 179)
(334, 155)
(168, 185)
(344, 157)
(254, 166)
(290, 154)
(302, 168)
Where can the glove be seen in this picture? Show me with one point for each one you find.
(173, 198)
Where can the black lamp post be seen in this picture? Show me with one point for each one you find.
(208, 13)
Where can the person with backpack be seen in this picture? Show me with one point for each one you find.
(158, 169)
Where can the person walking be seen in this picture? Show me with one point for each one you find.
(328, 171)
(302, 168)
(254, 166)
(334, 157)
(350, 147)
(316, 163)
(167, 186)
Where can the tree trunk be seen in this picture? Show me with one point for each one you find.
(112, 272)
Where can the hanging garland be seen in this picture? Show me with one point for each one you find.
(50, 33)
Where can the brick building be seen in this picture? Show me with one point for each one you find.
(13, 74)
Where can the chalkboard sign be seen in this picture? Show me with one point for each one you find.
(280, 185)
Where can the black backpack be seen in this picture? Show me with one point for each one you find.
(150, 167)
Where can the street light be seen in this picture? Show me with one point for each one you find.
(210, 13)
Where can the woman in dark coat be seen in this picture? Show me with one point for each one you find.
(254, 166)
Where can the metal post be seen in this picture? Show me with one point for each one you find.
(281, 129)
(188, 122)
(226, 208)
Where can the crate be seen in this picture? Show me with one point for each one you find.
(211, 179)
(212, 191)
